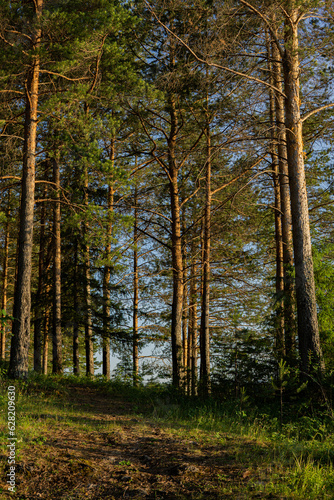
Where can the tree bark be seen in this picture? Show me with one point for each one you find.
(88, 323)
(189, 345)
(279, 326)
(177, 260)
(279, 309)
(76, 355)
(308, 333)
(289, 299)
(185, 316)
(38, 323)
(135, 361)
(185, 345)
(46, 337)
(192, 327)
(106, 321)
(18, 367)
(205, 383)
(5, 282)
(57, 358)
(106, 278)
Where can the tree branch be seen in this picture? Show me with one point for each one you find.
(154, 238)
(316, 111)
(264, 19)
(238, 177)
(63, 76)
(98, 60)
(10, 177)
(212, 65)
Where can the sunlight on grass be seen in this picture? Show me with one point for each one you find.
(255, 455)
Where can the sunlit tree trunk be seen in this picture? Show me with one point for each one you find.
(205, 384)
(22, 297)
(289, 300)
(279, 309)
(308, 333)
(177, 260)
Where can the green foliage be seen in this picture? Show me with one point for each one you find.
(108, 76)
(3, 369)
(5, 317)
(324, 276)
(245, 360)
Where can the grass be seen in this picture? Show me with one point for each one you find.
(81, 438)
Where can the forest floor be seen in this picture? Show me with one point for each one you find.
(85, 443)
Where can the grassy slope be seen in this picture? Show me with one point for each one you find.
(83, 440)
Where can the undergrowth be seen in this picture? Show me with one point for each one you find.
(298, 452)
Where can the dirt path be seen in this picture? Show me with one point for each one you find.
(102, 451)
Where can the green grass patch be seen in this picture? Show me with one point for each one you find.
(242, 452)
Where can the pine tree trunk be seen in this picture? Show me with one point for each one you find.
(177, 305)
(279, 326)
(46, 347)
(75, 346)
(88, 323)
(289, 312)
(5, 282)
(106, 279)
(76, 356)
(177, 261)
(205, 384)
(18, 367)
(46, 338)
(308, 333)
(279, 319)
(106, 321)
(192, 327)
(185, 316)
(135, 361)
(57, 358)
(185, 346)
(106, 326)
(189, 344)
(201, 293)
(38, 323)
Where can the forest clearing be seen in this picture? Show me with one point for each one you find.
(81, 439)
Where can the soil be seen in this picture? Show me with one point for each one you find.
(136, 457)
